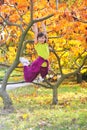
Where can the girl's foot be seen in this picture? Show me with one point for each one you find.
(40, 79)
(24, 61)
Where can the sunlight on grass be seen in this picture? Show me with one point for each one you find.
(33, 109)
(16, 75)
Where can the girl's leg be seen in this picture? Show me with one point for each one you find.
(44, 71)
(29, 75)
(31, 72)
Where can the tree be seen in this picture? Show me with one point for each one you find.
(8, 19)
(66, 31)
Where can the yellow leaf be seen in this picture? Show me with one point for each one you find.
(25, 116)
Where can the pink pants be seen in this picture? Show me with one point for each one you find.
(31, 72)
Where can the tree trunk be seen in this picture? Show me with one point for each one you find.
(3, 94)
(79, 77)
(6, 100)
(55, 97)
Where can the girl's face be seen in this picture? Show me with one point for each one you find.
(41, 39)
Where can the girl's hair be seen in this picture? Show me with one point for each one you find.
(41, 34)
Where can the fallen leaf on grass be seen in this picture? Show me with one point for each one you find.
(24, 116)
(44, 123)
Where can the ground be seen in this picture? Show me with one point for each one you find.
(33, 109)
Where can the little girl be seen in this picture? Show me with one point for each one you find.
(40, 65)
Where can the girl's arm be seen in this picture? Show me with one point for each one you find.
(35, 29)
(44, 30)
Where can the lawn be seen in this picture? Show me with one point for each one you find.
(33, 109)
(16, 75)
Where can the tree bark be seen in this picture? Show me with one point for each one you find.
(55, 96)
(79, 77)
(6, 100)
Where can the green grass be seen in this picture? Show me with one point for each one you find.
(33, 109)
(16, 75)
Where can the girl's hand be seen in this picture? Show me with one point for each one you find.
(35, 29)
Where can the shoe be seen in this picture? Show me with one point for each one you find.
(24, 61)
(40, 79)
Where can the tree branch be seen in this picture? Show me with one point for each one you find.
(43, 85)
(78, 69)
(10, 23)
(43, 18)
(57, 4)
(58, 59)
(31, 10)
